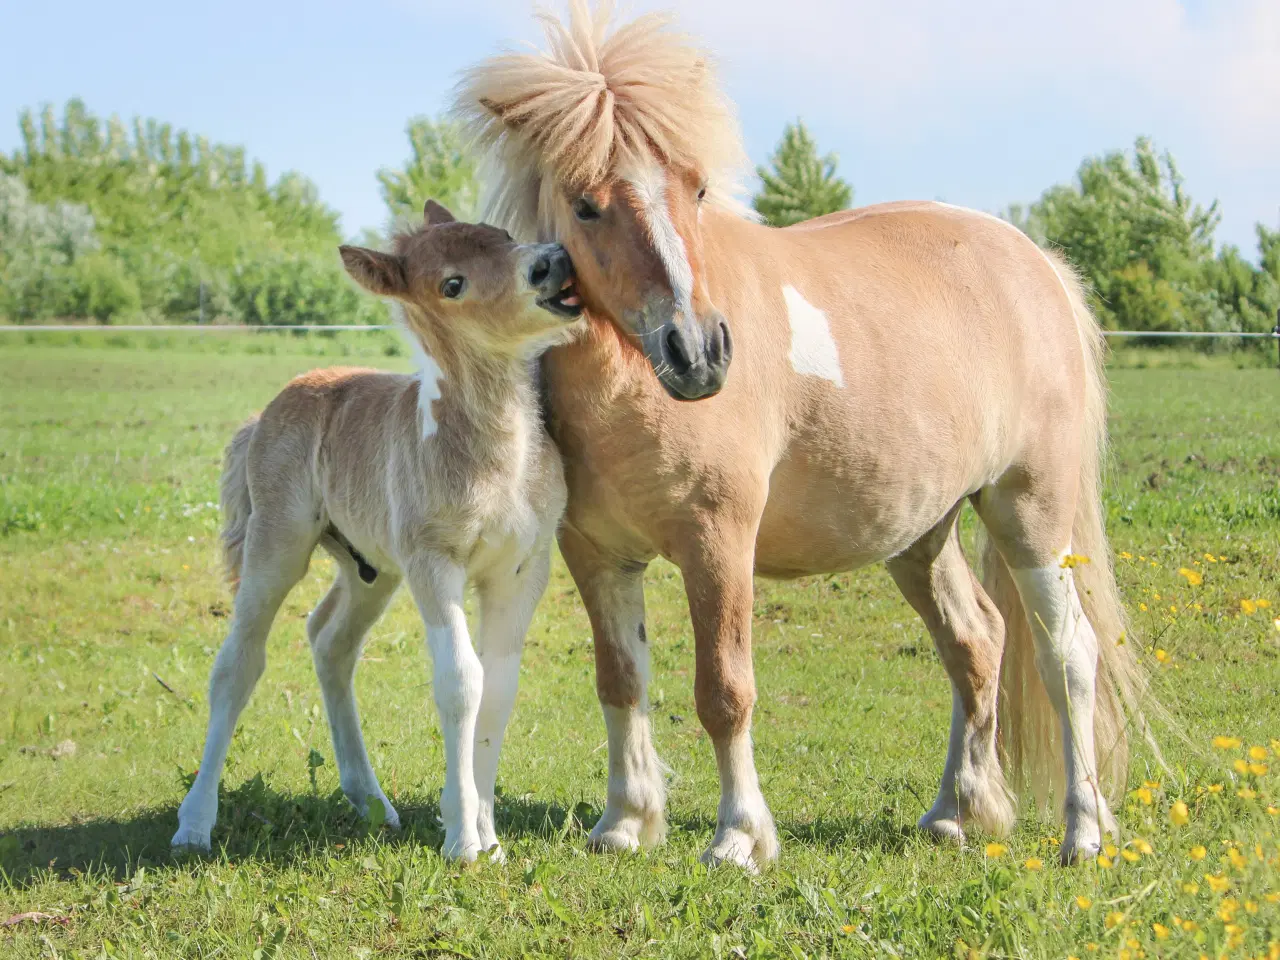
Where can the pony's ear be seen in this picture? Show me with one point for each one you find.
(434, 214)
(379, 273)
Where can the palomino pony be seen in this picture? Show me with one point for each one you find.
(859, 378)
(439, 479)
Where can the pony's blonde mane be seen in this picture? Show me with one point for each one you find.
(596, 100)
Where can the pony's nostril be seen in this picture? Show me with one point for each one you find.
(539, 272)
(722, 346)
(678, 352)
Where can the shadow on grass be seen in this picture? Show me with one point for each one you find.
(254, 823)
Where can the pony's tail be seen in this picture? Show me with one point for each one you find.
(234, 498)
(1030, 732)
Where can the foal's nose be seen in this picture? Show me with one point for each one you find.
(539, 272)
(550, 268)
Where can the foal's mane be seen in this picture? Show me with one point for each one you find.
(598, 98)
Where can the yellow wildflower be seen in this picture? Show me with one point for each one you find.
(1215, 788)
(1160, 930)
(1155, 596)
(1248, 606)
(1221, 558)
(1072, 560)
(1084, 903)
(1247, 793)
(1033, 863)
(1110, 850)
(1240, 767)
(1198, 852)
(1272, 811)
(1190, 926)
(1179, 814)
(1258, 769)
(1131, 855)
(1217, 883)
(1257, 753)
(1193, 576)
(1250, 907)
(1143, 794)
(1114, 919)
(1237, 858)
(1226, 743)
(1091, 947)
(1162, 656)
(1142, 607)
(1104, 861)
(1272, 897)
(1144, 848)
(1126, 555)
(994, 850)
(1262, 603)
(1191, 888)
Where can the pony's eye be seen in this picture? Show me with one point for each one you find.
(702, 193)
(584, 209)
(452, 288)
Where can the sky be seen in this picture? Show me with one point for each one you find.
(977, 102)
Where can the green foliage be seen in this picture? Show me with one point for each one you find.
(1147, 249)
(798, 184)
(439, 169)
(178, 220)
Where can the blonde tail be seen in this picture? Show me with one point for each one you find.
(234, 498)
(1029, 728)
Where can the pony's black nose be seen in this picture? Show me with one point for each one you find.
(679, 352)
(539, 272)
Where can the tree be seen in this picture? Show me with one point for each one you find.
(440, 169)
(1146, 248)
(799, 184)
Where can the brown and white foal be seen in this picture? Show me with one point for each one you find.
(441, 479)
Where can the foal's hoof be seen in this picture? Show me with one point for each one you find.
(944, 828)
(615, 840)
(191, 839)
(461, 850)
(750, 848)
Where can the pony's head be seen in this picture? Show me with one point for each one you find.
(469, 290)
(612, 143)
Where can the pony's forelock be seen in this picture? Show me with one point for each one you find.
(597, 97)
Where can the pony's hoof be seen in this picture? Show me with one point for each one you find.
(943, 828)
(191, 839)
(496, 854)
(615, 840)
(461, 849)
(751, 848)
(1074, 852)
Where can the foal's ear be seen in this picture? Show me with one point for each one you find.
(380, 273)
(435, 214)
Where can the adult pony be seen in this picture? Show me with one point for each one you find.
(859, 377)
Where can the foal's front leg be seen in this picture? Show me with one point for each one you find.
(438, 585)
(718, 579)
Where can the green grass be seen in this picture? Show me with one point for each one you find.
(108, 579)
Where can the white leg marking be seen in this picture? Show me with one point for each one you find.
(813, 349)
(458, 682)
(650, 188)
(1067, 658)
(745, 834)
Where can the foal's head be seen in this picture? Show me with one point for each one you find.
(612, 143)
(470, 289)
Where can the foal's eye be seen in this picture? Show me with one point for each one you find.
(452, 288)
(584, 209)
(702, 193)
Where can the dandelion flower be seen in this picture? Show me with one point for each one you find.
(1084, 903)
(1142, 607)
(1190, 926)
(1126, 555)
(1114, 919)
(1226, 743)
(1258, 769)
(1262, 603)
(1198, 852)
(1155, 596)
(1240, 767)
(1248, 606)
(1110, 850)
(994, 850)
(1237, 858)
(1131, 855)
(1033, 863)
(1072, 560)
(1250, 907)
(1257, 753)
(1091, 947)
(1143, 794)
(1162, 656)
(1273, 811)
(1214, 788)
(1104, 861)
(1217, 883)
(1179, 815)
(1160, 930)
(1193, 576)
(1143, 847)
(1247, 793)
(1191, 888)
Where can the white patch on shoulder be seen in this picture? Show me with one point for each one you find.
(813, 349)
(650, 186)
(429, 377)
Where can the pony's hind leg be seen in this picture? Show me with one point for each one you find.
(1031, 528)
(275, 558)
(968, 632)
(336, 629)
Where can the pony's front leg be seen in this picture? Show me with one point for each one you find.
(438, 585)
(506, 609)
(613, 593)
(718, 579)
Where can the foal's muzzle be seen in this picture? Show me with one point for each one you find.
(691, 361)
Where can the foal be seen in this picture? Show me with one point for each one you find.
(440, 479)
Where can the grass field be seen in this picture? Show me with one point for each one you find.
(111, 609)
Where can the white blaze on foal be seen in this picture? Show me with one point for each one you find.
(440, 480)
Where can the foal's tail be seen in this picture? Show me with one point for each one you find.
(234, 497)
(1029, 728)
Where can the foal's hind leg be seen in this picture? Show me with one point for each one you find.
(969, 634)
(337, 630)
(275, 558)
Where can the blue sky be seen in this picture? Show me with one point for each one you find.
(978, 102)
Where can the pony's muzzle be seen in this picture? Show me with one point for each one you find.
(694, 360)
